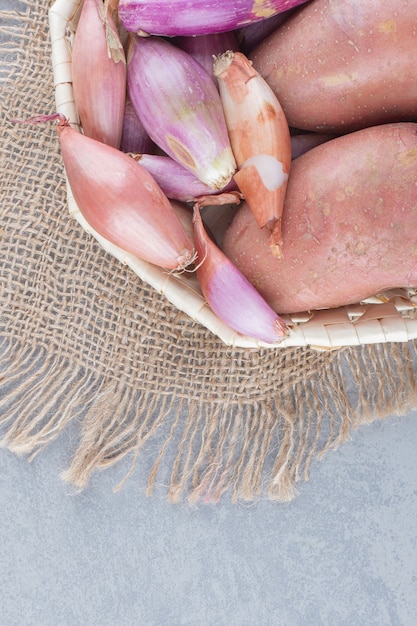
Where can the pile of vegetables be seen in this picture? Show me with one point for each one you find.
(301, 113)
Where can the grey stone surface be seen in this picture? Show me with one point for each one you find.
(343, 553)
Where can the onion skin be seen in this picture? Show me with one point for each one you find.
(180, 108)
(196, 17)
(175, 181)
(229, 294)
(99, 80)
(122, 202)
(260, 139)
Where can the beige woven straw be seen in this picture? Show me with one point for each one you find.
(90, 335)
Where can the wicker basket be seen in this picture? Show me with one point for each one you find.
(390, 317)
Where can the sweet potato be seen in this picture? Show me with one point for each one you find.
(349, 224)
(342, 65)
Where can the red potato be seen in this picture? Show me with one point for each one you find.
(342, 65)
(349, 224)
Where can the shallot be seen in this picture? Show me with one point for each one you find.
(176, 181)
(180, 108)
(260, 139)
(230, 295)
(99, 74)
(120, 200)
(196, 17)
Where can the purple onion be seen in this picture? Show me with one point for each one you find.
(180, 108)
(230, 295)
(196, 17)
(175, 181)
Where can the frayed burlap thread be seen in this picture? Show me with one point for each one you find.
(247, 447)
(85, 344)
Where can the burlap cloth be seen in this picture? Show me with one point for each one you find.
(83, 339)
